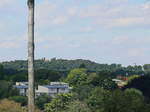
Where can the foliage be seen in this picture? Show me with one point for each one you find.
(129, 101)
(59, 103)
(6, 89)
(83, 92)
(10, 106)
(101, 80)
(61, 65)
(45, 74)
(97, 98)
(141, 84)
(77, 77)
(1, 72)
(77, 106)
(41, 100)
(19, 99)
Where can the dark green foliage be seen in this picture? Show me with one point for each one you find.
(102, 80)
(61, 65)
(6, 89)
(19, 99)
(77, 106)
(77, 77)
(42, 100)
(83, 91)
(59, 103)
(82, 65)
(19, 77)
(147, 68)
(142, 83)
(129, 101)
(44, 74)
(1, 72)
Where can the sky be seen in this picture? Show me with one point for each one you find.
(104, 31)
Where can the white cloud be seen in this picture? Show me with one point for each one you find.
(47, 39)
(129, 21)
(9, 45)
(86, 29)
(110, 14)
(136, 52)
(48, 14)
(121, 40)
(72, 11)
(5, 3)
(44, 13)
(59, 20)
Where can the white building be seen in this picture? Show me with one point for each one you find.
(22, 87)
(52, 89)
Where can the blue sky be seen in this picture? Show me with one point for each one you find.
(105, 31)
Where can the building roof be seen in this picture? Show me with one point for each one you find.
(55, 86)
(20, 86)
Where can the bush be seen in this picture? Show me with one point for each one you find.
(41, 100)
(19, 99)
(10, 106)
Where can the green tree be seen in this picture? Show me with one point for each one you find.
(101, 80)
(42, 100)
(131, 100)
(59, 103)
(19, 99)
(6, 89)
(1, 72)
(77, 106)
(77, 77)
(97, 99)
(83, 92)
(141, 83)
(82, 65)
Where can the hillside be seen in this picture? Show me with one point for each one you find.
(60, 65)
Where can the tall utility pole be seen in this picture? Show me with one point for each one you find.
(31, 88)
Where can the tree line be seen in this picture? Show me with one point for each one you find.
(93, 91)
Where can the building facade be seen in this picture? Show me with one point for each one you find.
(52, 89)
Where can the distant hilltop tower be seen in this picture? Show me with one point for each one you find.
(45, 60)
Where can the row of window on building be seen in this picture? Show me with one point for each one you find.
(52, 89)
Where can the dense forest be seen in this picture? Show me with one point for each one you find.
(93, 88)
(57, 69)
(60, 64)
(66, 65)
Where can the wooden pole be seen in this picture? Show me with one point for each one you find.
(31, 88)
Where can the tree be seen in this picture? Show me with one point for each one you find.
(141, 83)
(97, 98)
(130, 100)
(31, 92)
(1, 72)
(101, 80)
(6, 90)
(19, 99)
(42, 100)
(77, 106)
(77, 77)
(59, 103)
(82, 65)
(83, 92)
